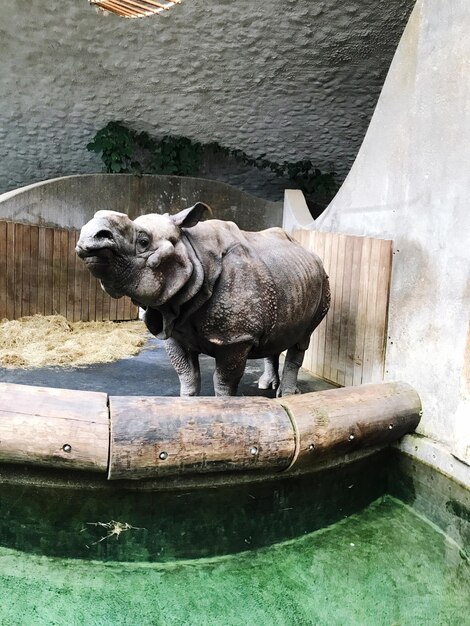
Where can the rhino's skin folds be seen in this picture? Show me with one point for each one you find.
(209, 287)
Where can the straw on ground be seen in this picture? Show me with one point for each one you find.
(39, 341)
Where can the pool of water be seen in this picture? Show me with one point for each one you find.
(382, 541)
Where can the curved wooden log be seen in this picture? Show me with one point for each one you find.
(335, 422)
(157, 437)
(54, 427)
(167, 436)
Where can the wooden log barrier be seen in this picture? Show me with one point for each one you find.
(334, 422)
(157, 437)
(54, 427)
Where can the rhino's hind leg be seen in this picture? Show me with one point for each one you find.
(186, 364)
(270, 377)
(290, 371)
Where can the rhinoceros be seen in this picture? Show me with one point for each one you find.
(208, 287)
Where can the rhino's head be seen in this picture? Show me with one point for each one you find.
(145, 258)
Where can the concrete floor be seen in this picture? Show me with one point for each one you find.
(149, 374)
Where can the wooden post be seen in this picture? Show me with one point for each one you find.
(334, 422)
(54, 427)
(166, 436)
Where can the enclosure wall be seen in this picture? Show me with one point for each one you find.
(411, 183)
(71, 201)
(348, 348)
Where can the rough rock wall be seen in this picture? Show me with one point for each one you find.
(290, 78)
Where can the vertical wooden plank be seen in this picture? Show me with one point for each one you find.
(43, 262)
(122, 308)
(303, 237)
(64, 242)
(382, 303)
(49, 271)
(26, 270)
(99, 302)
(116, 310)
(311, 359)
(370, 352)
(56, 271)
(34, 306)
(18, 275)
(347, 251)
(330, 322)
(326, 331)
(340, 272)
(77, 283)
(134, 311)
(361, 324)
(317, 363)
(314, 347)
(70, 275)
(85, 278)
(93, 287)
(3, 270)
(108, 304)
(10, 264)
(357, 243)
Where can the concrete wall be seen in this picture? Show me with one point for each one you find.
(290, 78)
(411, 183)
(72, 200)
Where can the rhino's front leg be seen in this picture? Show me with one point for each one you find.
(270, 377)
(186, 364)
(230, 364)
(290, 372)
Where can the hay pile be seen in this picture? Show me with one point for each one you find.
(39, 341)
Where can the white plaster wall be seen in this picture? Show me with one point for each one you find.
(290, 78)
(411, 183)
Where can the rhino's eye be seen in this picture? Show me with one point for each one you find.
(143, 242)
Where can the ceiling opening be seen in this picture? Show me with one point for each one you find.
(132, 9)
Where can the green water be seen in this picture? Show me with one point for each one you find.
(381, 566)
(328, 549)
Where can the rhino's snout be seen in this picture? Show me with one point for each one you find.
(87, 252)
(96, 245)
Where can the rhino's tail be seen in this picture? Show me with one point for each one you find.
(324, 303)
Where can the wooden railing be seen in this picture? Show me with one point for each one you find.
(348, 348)
(40, 273)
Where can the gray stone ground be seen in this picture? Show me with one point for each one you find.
(149, 374)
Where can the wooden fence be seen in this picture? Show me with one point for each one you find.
(40, 273)
(348, 348)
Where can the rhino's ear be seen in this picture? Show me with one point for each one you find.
(190, 217)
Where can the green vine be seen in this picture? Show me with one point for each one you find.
(124, 150)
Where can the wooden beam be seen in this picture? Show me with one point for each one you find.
(114, 7)
(335, 422)
(134, 8)
(153, 437)
(54, 427)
